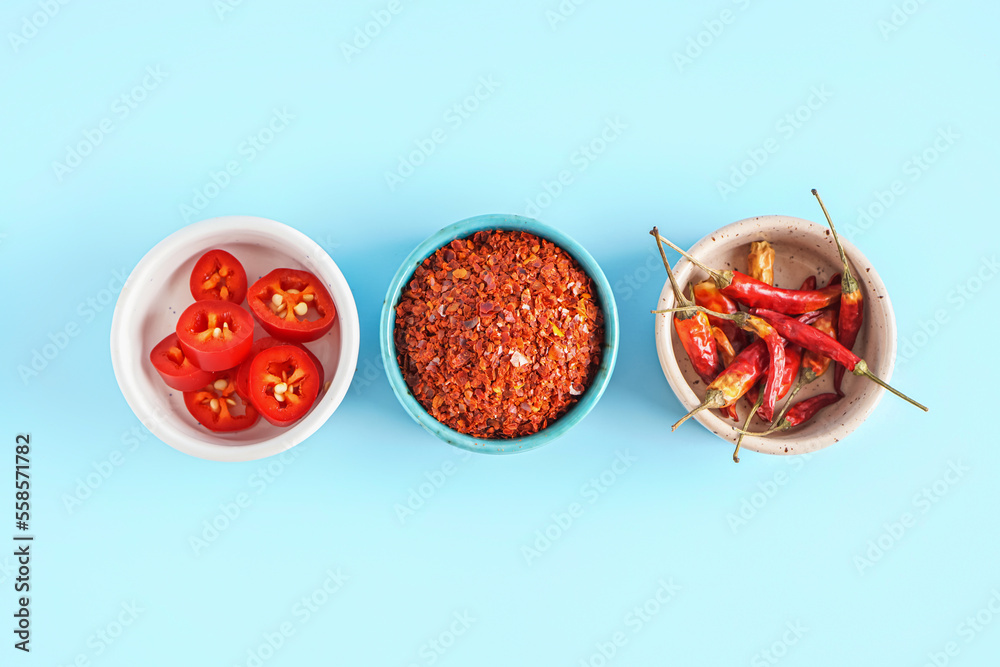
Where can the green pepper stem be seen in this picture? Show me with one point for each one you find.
(746, 425)
(740, 318)
(678, 293)
(717, 276)
(849, 284)
(861, 368)
(713, 399)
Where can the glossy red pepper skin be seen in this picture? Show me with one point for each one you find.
(809, 337)
(726, 356)
(793, 357)
(707, 295)
(813, 364)
(737, 378)
(848, 326)
(776, 363)
(695, 334)
(757, 294)
(294, 287)
(804, 410)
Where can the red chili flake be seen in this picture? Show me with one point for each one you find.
(498, 334)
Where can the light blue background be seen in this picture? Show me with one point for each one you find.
(668, 516)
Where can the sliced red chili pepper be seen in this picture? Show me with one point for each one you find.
(220, 276)
(259, 345)
(284, 384)
(292, 305)
(218, 407)
(215, 335)
(177, 370)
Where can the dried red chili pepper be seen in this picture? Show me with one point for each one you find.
(693, 328)
(734, 381)
(755, 294)
(707, 295)
(726, 351)
(775, 350)
(805, 410)
(793, 360)
(800, 413)
(811, 338)
(809, 283)
(851, 302)
(726, 355)
(760, 262)
(813, 363)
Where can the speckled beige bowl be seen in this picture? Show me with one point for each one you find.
(801, 248)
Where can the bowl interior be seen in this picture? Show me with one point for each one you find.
(157, 292)
(572, 416)
(802, 248)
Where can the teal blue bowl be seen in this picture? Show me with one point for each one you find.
(463, 229)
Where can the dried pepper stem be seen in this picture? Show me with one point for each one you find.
(802, 412)
(756, 294)
(733, 382)
(746, 425)
(775, 348)
(693, 328)
(851, 300)
(817, 341)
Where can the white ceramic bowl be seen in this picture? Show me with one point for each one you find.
(157, 292)
(801, 248)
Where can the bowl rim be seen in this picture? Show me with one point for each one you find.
(463, 229)
(125, 320)
(785, 445)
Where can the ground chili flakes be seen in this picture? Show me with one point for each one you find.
(498, 334)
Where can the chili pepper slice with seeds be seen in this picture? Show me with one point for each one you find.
(755, 294)
(851, 302)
